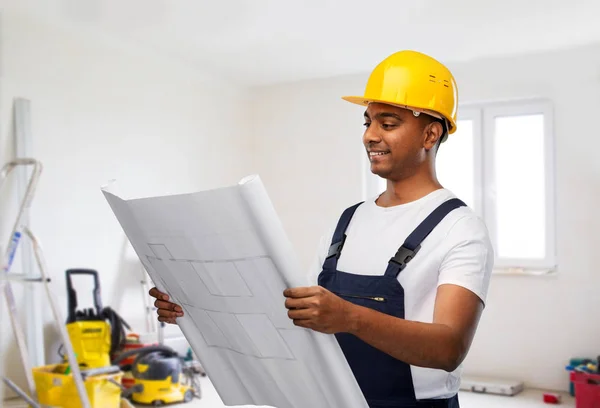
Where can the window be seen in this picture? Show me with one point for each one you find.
(500, 162)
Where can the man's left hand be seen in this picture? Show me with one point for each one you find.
(318, 309)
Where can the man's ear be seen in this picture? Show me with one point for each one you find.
(432, 132)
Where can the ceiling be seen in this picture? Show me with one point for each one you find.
(258, 42)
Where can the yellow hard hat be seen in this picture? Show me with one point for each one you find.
(414, 81)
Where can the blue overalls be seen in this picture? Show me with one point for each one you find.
(384, 380)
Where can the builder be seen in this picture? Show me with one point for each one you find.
(402, 280)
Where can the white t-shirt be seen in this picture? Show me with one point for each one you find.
(458, 251)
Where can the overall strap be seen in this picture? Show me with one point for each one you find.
(412, 244)
(339, 237)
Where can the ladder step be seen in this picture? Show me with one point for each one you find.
(20, 277)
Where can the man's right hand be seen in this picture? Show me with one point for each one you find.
(167, 311)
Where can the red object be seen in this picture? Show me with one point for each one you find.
(128, 382)
(132, 343)
(587, 389)
(551, 398)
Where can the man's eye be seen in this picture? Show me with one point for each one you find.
(367, 124)
(387, 125)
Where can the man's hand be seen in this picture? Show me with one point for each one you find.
(318, 309)
(167, 311)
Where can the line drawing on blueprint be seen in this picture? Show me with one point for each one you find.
(154, 247)
(214, 318)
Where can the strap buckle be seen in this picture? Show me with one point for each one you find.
(336, 249)
(404, 255)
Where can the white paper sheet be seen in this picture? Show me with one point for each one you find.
(225, 258)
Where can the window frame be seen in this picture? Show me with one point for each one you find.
(475, 115)
(483, 115)
(521, 108)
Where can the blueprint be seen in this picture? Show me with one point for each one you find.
(224, 257)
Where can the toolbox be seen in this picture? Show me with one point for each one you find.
(587, 389)
(492, 386)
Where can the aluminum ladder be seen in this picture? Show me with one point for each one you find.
(6, 278)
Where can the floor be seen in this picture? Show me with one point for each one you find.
(528, 399)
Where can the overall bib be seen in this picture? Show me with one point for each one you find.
(384, 380)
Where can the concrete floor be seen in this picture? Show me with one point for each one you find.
(530, 398)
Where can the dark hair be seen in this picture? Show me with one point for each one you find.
(444, 130)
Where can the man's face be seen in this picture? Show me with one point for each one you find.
(395, 140)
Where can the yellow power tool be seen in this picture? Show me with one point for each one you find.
(95, 332)
(161, 376)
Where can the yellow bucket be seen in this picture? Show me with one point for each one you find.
(56, 389)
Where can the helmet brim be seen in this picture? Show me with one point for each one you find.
(361, 100)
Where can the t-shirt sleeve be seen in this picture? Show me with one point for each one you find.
(470, 259)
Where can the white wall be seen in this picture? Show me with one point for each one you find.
(100, 113)
(309, 147)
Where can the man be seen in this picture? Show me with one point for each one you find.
(403, 278)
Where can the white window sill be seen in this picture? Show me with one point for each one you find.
(516, 271)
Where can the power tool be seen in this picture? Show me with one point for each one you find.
(97, 332)
(160, 376)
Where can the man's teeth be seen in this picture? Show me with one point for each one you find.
(377, 153)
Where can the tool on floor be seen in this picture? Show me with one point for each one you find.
(552, 398)
(96, 333)
(7, 277)
(486, 385)
(160, 375)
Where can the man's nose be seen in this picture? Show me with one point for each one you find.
(371, 135)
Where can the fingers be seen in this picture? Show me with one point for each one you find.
(160, 304)
(169, 320)
(168, 313)
(167, 316)
(302, 292)
(301, 314)
(155, 293)
(301, 303)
